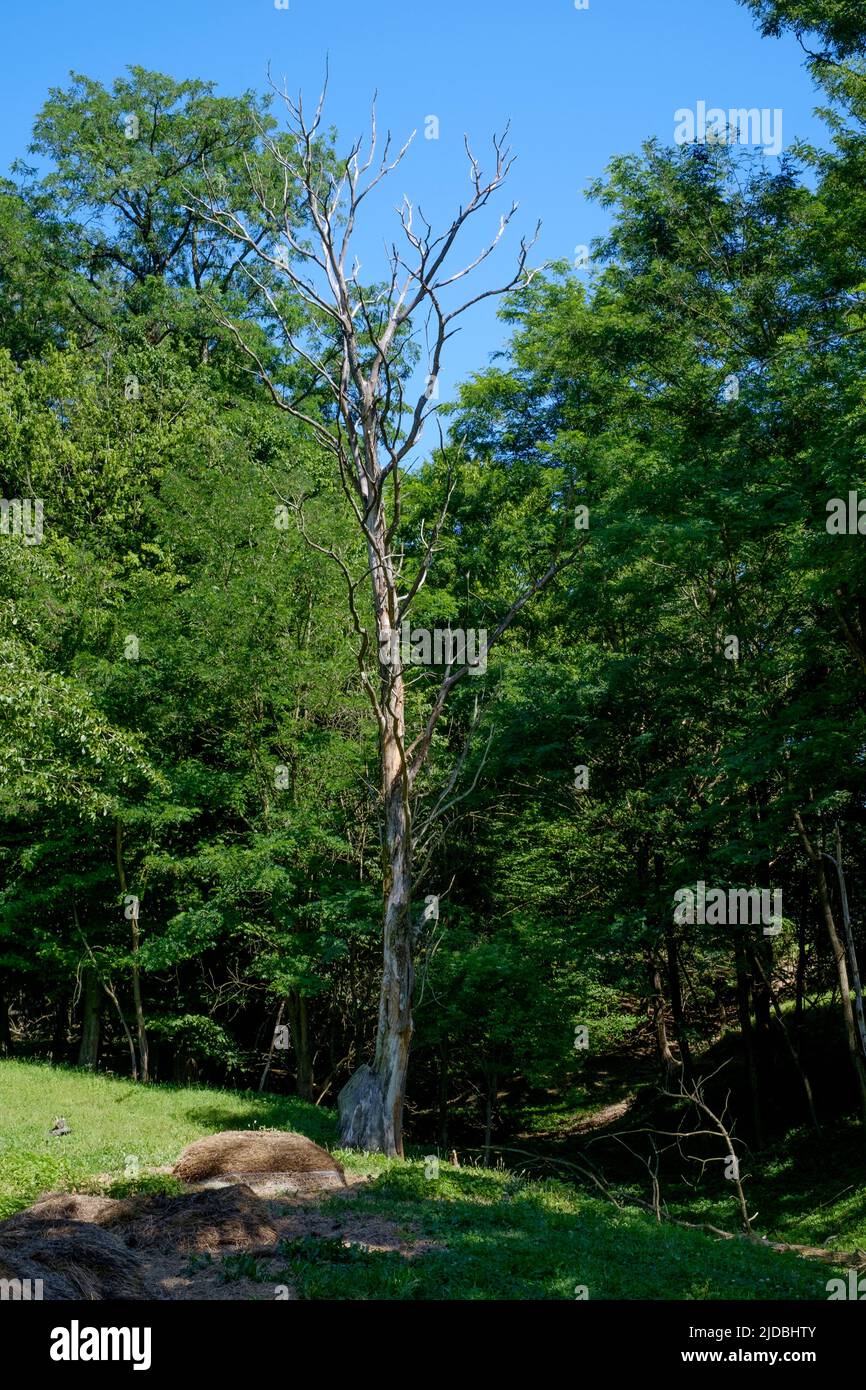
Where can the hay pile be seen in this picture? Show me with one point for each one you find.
(268, 1160)
(74, 1259)
(192, 1223)
(93, 1248)
(201, 1222)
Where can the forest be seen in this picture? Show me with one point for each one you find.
(488, 771)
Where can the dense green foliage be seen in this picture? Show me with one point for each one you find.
(189, 815)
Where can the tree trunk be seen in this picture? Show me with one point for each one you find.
(271, 1045)
(747, 1033)
(144, 1071)
(371, 1102)
(91, 1008)
(844, 987)
(300, 1035)
(677, 1003)
(792, 1047)
(666, 1057)
(61, 1031)
(112, 994)
(761, 953)
(5, 1028)
(443, 1096)
(852, 951)
(838, 949)
(139, 1009)
(489, 1112)
(800, 988)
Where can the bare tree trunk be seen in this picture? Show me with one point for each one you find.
(91, 1007)
(136, 973)
(677, 1003)
(395, 1003)
(371, 1103)
(849, 941)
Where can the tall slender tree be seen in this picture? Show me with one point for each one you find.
(363, 359)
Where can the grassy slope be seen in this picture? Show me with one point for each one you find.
(805, 1188)
(113, 1119)
(495, 1235)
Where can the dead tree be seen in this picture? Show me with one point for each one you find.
(370, 438)
(715, 1125)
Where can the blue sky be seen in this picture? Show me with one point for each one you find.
(579, 86)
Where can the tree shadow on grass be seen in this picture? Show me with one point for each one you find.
(529, 1246)
(268, 1112)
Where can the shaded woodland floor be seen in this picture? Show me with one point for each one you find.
(400, 1230)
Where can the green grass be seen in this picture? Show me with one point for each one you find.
(240, 1266)
(807, 1189)
(497, 1239)
(492, 1234)
(112, 1120)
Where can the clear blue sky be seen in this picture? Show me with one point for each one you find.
(578, 86)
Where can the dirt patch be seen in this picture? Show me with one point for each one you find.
(607, 1115)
